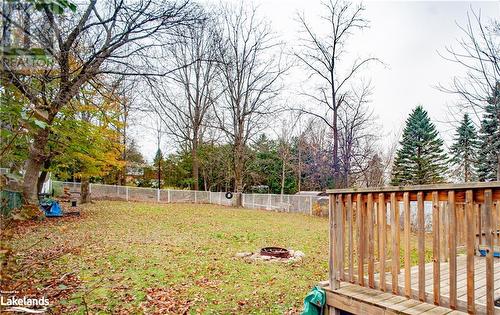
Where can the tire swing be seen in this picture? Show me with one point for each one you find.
(229, 195)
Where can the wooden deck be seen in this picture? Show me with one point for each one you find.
(465, 217)
(479, 282)
(360, 300)
(391, 302)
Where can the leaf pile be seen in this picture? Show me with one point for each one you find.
(165, 301)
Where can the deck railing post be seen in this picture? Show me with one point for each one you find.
(470, 228)
(435, 248)
(421, 246)
(407, 227)
(395, 242)
(371, 240)
(340, 219)
(488, 230)
(452, 239)
(332, 257)
(361, 238)
(350, 235)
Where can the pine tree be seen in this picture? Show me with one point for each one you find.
(489, 154)
(464, 151)
(420, 160)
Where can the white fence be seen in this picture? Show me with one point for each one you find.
(287, 203)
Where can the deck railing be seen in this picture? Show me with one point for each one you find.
(378, 234)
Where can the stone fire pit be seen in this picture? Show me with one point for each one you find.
(272, 254)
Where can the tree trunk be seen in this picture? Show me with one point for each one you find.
(84, 190)
(300, 163)
(238, 170)
(34, 164)
(196, 165)
(283, 178)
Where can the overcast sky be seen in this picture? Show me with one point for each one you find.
(406, 36)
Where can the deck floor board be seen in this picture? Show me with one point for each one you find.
(479, 279)
(362, 300)
(479, 283)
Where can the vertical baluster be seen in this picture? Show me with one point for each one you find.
(407, 227)
(443, 231)
(452, 240)
(350, 217)
(382, 224)
(340, 211)
(395, 242)
(497, 226)
(334, 284)
(421, 246)
(479, 208)
(470, 227)
(371, 254)
(360, 211)
(435, 247)
(488, 230)
(493, 223)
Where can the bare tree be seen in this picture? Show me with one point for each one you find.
(478, 52)
(250, 68)
(112, 37)
(357, 137)
(184, 114)
(285, 138)
(322, 57)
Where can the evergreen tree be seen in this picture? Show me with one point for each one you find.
(464, 151)
(489, 154)
(420, 160)
(157, 162)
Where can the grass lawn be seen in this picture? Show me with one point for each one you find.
(137, 258)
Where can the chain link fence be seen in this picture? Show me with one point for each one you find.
(313, 205)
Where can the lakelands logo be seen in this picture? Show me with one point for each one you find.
(25, 304)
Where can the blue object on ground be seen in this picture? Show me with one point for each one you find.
(51, 208)
(483, 253)
(314, 302)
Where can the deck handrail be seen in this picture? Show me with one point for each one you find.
(462, 215)
(376, 189)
